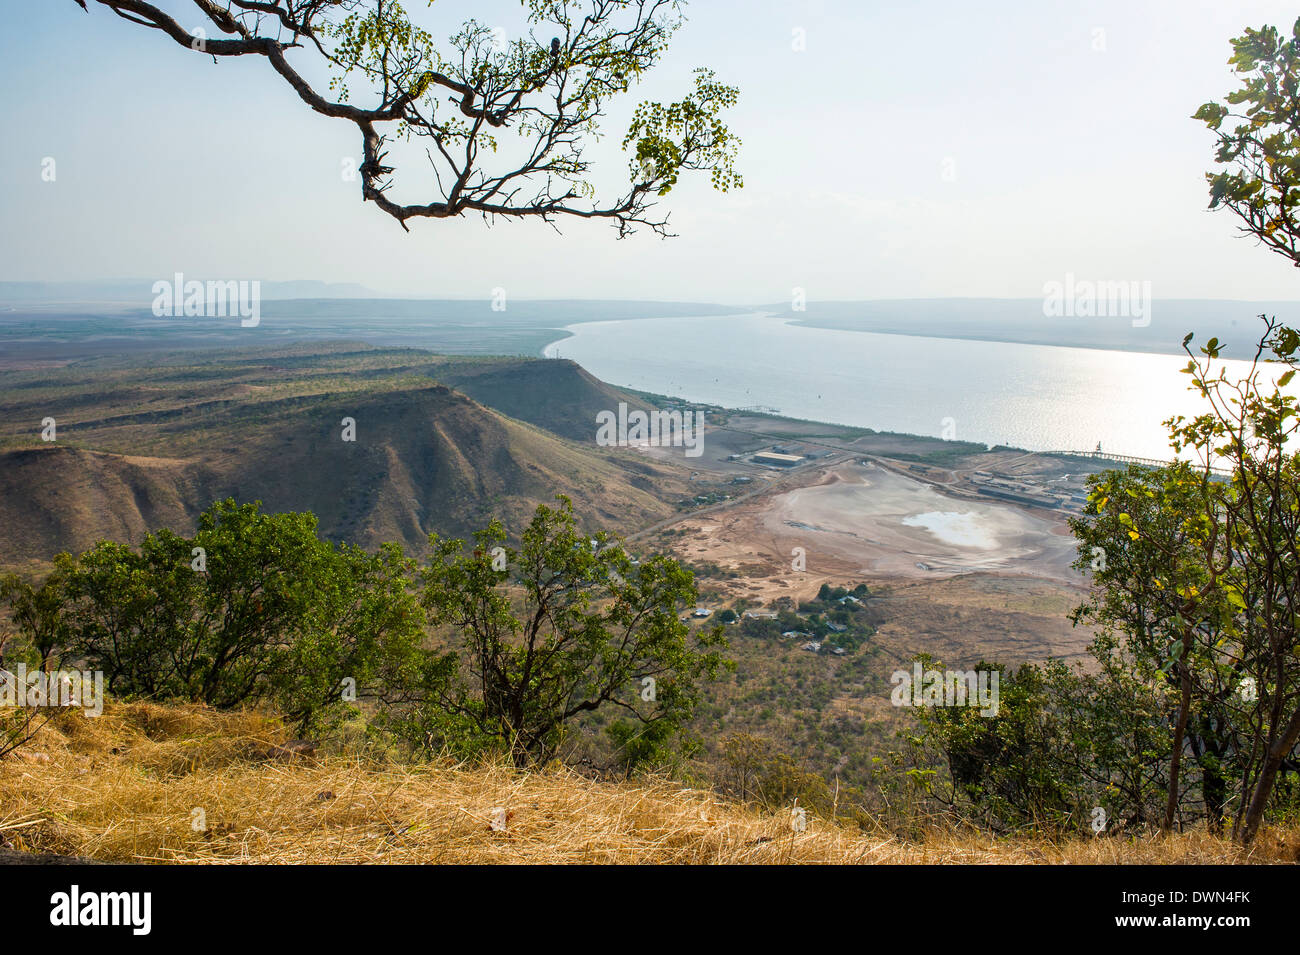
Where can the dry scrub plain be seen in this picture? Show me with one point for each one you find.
(135, 784)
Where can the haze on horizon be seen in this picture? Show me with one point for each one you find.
(955, 154)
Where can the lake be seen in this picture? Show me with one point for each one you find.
(1039, 397)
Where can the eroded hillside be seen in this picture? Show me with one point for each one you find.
(137, 447)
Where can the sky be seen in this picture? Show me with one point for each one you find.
(911, 150)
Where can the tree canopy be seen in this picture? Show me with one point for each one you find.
(1259, 154)
(562, 626)
(489, 649)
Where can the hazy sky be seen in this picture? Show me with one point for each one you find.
(1065, 158)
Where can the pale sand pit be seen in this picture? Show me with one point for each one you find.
(892, 526)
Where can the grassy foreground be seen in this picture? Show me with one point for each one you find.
(127, 787)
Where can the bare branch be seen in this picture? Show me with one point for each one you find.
(528, 105)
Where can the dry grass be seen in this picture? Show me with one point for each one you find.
(124, 787)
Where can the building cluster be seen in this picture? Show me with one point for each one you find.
(1030, 492)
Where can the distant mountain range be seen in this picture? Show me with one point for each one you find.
(1159, 328)
(140, 291)
(309, 309)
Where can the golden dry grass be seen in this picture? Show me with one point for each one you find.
(125, 787)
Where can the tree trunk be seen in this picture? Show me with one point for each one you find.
(1180, 734)
(1277, 753)
(1215, 790)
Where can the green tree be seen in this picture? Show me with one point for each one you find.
(562, 626)
(120, 622)
(362, 641)
(1151, 540)
(1235, 593)
(1063, 743)
(1260, 151)
(37, 614)
(1115, 718)
(1199, 575)
(652, 746)
(1003, 767)
(1250, 425)
(253, 602)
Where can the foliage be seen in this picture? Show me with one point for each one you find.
(1250, 425)
(1062, 743)
(37, 614)
(1197, 577)
(254, 606)
(754, 772)
(561, 626)
(1260, 153)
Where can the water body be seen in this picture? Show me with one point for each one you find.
(1038, 397)
(959, 528)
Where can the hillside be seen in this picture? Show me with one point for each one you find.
(186, 784)
(141, 447)
(557, 395)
